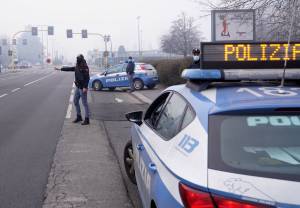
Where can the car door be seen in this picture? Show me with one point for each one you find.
(140, 137)
(113, 76)
(162, 123)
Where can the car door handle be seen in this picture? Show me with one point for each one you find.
(140, 147)
(152, 167)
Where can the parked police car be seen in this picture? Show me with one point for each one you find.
(228, 138)
(145, 75)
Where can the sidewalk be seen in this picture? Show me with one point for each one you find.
(85, 172)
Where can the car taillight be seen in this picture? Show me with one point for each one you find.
(143, 67)
(193, 198)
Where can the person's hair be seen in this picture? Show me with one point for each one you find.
(81, 62)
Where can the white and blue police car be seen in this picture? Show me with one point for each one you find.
(115, 76)
(226, 139)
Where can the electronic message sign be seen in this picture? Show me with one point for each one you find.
(260, 55)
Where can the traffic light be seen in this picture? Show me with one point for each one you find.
(24, 41)
(84, 33)
(10, 53)
(14, 41)
(50, 30)
(34, 31)
(69, 34)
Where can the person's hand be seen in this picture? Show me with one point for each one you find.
(84, 90)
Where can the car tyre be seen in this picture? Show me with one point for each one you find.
(129, 162)
(138, 84)
(97, 85)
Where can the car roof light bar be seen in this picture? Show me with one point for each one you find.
(215, 75)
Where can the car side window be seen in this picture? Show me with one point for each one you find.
(115, 69)
(171, 117)
(153, 112)
(188, 117)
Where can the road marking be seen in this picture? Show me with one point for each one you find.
(1, 96)
(71, 97)
(119, 100)
(15, 90)
(38, 80)
(142, 97)
(69, 111)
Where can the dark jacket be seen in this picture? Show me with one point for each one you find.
(130, 68)
(82, 76)
(195, 65)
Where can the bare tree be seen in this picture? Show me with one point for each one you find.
(183, 36)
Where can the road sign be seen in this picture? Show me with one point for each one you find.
(10, 53)
(69, 34)
(34, 31)
(233, 25)
(50, 30)
(24, 41)
(14, 41)
(84, 33)
(105, 54)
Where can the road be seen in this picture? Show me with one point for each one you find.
(33, 108)
(33, 103)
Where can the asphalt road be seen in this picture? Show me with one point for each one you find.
(110, 108)
(33, 104)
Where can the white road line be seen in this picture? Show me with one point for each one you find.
(119, 100)
(38, 80)
(71, 98)
(142, 97)
(69, 111)
(15, 90)
(1, 96)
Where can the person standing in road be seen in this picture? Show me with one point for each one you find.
(82, 78)
(196, 59)
(130, 72)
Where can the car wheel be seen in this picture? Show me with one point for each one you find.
(97, 85)
(129, 162)
(138, 84)
(111, 88)
(150, 86)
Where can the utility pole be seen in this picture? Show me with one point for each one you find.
(139, 35)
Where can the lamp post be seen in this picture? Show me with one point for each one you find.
(139, 34)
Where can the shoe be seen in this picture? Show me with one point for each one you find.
(86, 122)
(78, 119)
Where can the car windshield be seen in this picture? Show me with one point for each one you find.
(262, 145)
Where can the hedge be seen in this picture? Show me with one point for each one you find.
(169, 70)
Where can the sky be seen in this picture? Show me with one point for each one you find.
(117, 18)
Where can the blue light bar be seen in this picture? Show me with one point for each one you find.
(201, 74)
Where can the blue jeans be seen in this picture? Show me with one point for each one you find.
(130, 79)
(80, 94)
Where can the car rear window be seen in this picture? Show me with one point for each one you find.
(260, 145)
(144, 67)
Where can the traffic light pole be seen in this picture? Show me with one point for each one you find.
(106, 38)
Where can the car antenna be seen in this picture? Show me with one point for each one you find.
(289, 43)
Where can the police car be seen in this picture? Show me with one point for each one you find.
(229, 138)
(145, 75)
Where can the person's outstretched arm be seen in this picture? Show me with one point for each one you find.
(68, 68)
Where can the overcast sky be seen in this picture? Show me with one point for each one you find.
(114, 17)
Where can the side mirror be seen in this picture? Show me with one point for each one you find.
(135, 117)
